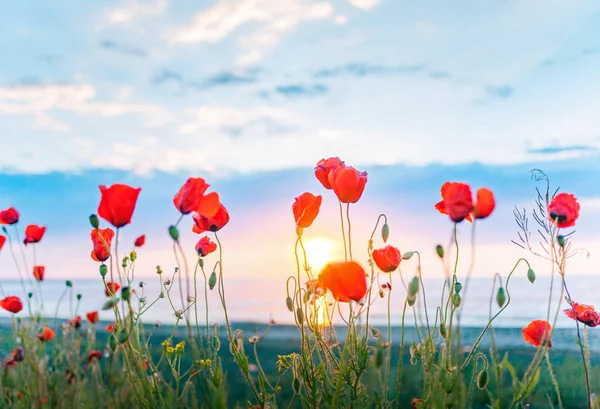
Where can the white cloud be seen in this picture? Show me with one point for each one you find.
(364, 4)
(133, 10)
(275, 19)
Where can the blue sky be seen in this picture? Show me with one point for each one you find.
(250, 94)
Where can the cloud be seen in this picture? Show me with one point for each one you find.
(552, 150)
(133, 9)
(298, 90)
(364, 4)
(501, 92)
(365, 69)
(273, 19)
(221, 78)
(122, 48)
(40, 101)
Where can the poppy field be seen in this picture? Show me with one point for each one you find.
(340, 360)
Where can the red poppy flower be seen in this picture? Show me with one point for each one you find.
(457, 201)
(94, 355)
(111, 288)
(2, 241)
(118, 203)
(9, 216)
(102, 243)
(306, 208)
(17, 355)
(112, 327)
(92, 317)
(191, 198)
(416, 403)
(214, 223)
(46, 334)
(38, 272)
(563, 210)
(485, 203)
(538, 332)
(140, 241)
(584, 313)
(324, 168)
(347, 183)
(75, 322)
(387, 259)
(346, 280)
(205, 246)
(34, 233)
(12, 304)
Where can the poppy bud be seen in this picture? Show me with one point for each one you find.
(201, 262)
(4, 230)
(457, 287)
(501, 297)
(456, 300)
(413, 286)
(122, 336)
(94, 221)
(212, 281)
(289, 303)
(440, 251)
(299, 316)
(69, 283)
(443, 331)
(112, 343)
(29, 295)
(174, 233)
(411, 299)
(561, 241)
(482, 379)
(78, 297)
(103, 270)
(385, 232)
(531, 276)
(110, 303)
(407, 255)
(125, 293)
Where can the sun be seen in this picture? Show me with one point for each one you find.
(318, 253)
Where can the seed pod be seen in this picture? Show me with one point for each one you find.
(413, 287)
(69, 283)
(94, 221)
(561, 241)
(103, 270)
(501, 297)
(385, 232)
(482, 379)
(174, 233)
(212, 281)
(457, 287)
(531, 276)
(289, 303)
(456, 300)
(125, 293)
(440, 251)
(299, 316)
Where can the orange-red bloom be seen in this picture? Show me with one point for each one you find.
(102, 243)
(111, 288)
(12, 304)
(347, 183)
(34, 233)
(17, 355)
(75, 322)
(306, 208)
(346, 280)
(457, 201)
(485, 203)
(9, 216)
(112, 327)
(584, 313)
(387, 259)
(94, 355)
(563, 210)
(92, 317)
(140, 241)
(537, 333)
(2, 241)
(191, 198)
(324, 168)
(38, 272)
(118, 203)
(214, 223)
(416, 403)
(46, 334)
(205, 246)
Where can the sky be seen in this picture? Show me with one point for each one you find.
(250, 94)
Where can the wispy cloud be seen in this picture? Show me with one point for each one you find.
(122, 48)
(366, 69)
(274, 18)
(364, 4)
(137, 9)
(298, 90)
(221, 78)
(552, 150)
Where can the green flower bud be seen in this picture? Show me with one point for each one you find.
(299, 316)
(103, 270)
(122, 336)
(212, 281)
(457, 287)
(69, 283)
(125, 293)
(413, 286)
(561, 241)
(289, 303)
(385, 232)
(201, 262)
(501, 297)
(78, 297)
(531, 276)
(411, 299)
(112, 343)
(456, 300)
(482, 379)
(443, 330)
(94, 221)
(407, 255)
(29, 295)
(110, 303)
(174, 233)
(440, 251)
